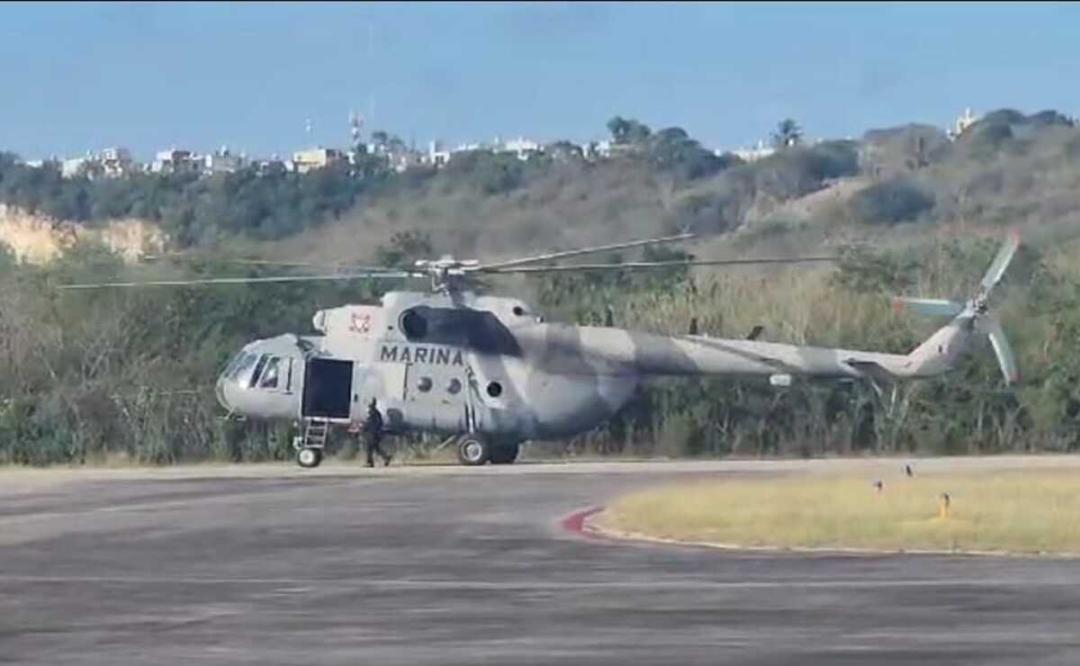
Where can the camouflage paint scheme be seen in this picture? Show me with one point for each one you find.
(554, 380)
(491, 370)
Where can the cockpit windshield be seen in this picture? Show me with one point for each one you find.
(240, 363)
(254, 370)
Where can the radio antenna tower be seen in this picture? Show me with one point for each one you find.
(356, 126)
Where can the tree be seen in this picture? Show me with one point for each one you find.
(379, 138)
(787, 134)
(367, 165)
(564, 151)
(619, 128)
(487, 172)
(891, 202)
(627, 130)
(672, 150)
(672, 135)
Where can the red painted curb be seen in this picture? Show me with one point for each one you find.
(577, 522)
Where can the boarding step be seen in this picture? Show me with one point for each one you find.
(316, 432)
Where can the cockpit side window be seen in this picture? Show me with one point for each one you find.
(258, 370)
(270, 375)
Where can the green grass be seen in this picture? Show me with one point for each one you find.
(1018, 512)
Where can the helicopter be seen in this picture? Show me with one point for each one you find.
(490, 373)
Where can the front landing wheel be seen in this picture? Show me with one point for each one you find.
(308, 457)
(473, 451)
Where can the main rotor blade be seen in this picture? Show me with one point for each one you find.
(1001, 262)
(656, 264)
(268, 262)
(930, 307)
(242, 280)
(574, 253)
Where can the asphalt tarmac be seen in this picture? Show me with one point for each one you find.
(274, 565)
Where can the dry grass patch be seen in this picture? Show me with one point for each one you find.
(1018, 511)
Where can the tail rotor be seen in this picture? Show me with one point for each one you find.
(987, 323)
(1000, 264)
(928, 307)
(975, 313)
(1006, 359)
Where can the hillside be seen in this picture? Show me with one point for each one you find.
(898, 184)
(573, 203)
(479, 203)
(38, 239)
(1007, 169)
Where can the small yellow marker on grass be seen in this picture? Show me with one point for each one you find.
(944, 506)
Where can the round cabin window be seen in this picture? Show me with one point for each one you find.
(518, 310)
(424, 384)
(454, 386)
(414, 325)
(494, 389)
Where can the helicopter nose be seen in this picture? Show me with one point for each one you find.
(219, 391)
(231, 396)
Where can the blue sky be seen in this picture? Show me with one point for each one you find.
(75, 77)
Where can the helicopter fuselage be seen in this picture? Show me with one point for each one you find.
(489, 369)
(461, 363)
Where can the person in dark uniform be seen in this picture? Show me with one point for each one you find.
(373, 432)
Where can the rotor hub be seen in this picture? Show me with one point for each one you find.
(446, 272)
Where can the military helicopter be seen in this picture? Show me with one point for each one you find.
(489, 373)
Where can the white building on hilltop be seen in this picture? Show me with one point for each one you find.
(222, 161)
(437, 155)
(76, 166)
(109, 163)
(316, 158)
(597, 149)
(759, 151)
(175, 160)
(521, 147)
(116, 162)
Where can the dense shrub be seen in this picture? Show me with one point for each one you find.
(891, 202)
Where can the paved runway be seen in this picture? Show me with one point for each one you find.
(272, 565)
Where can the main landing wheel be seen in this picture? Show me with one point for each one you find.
(473, 451)
(308, 457)
(505, 454)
